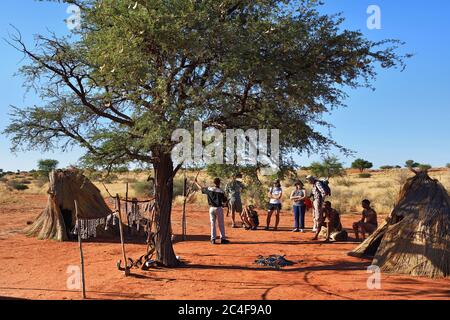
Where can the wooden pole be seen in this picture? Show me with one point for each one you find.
(122, 241)
(126, 209)
(183, 220)
(80, 244)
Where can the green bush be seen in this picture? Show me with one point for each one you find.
(143, 188)
(365, 175)
(17, 186)
(178, 185)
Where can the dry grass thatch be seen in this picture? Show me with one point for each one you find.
(415, 239)
(65, 187)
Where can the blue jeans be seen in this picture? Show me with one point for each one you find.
(299, 217)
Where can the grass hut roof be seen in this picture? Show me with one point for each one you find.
(58, 218)
(415, 239)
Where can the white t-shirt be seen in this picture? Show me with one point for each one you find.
(275, 192)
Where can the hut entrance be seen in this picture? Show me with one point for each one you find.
(68, 222)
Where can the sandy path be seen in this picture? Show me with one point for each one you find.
(38, 269)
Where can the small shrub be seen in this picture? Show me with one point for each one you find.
(365, 175)
(143, 188)
(17, 186)
(344, 182)
(178, 185)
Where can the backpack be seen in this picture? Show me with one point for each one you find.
(326, 186)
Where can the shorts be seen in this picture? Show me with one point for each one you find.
(368, 227)
(274, 206)
(236, 205)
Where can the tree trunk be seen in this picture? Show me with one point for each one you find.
(164, 196)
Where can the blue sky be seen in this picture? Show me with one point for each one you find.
(407, 117)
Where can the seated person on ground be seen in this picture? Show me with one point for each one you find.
(331, 220)
(368, 223)
(250, 218)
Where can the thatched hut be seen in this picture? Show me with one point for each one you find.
(58, 219)
(415, 239)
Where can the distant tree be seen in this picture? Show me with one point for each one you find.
(2, 173)
(362, 165)
(387, 167)
(411, 164)
(120, 169)
(330, 167)
(448, 165)
(46, 166)
(424, 167)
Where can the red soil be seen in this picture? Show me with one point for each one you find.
(38, 269)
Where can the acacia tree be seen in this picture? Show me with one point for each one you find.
(330, 167)
(362, 165)
(136, 70)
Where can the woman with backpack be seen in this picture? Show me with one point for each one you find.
(275, 194)
(298, 196)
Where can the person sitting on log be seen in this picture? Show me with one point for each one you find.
(368, 223)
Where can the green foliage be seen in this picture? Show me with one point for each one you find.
(222, 171)
(411, 164)
(448, 165)
(362, 164)
(389, 167)
(424, 167)
(17, 186)
(143, 188)
(47, 166)
(2, 173)
(178, 186)
(120, 169)
(328, 168)
(365, 175)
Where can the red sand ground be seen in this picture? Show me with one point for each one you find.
(36, 269)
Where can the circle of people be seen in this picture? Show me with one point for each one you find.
(324, 215)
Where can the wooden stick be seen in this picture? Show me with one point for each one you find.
(80, 243)
(183, 220)
(126, 207)
(122, 241)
